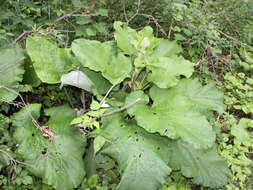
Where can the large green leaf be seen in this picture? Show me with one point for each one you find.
(166, 71)
(142, 157)
(11, 70)
(206, 167)
(49, 61)
(172, 115)
(30, 76)
(101, 85)
(58, 161)
(167, 48)
(92, 54)
(100, 57)
(205, 98)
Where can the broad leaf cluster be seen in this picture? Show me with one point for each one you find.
(163, 124)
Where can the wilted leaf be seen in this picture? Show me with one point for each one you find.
(77, 79)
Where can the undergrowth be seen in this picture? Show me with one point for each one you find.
(162, 99)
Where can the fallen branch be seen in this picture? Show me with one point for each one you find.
(75, 15)
(234, 39)
(23, 35)
(25, 105)
(155, 20)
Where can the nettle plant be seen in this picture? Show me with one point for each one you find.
(147, 114)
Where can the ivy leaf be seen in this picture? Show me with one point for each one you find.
(171, 115)
(142, 157)
(59, 162)
(206, 167)
(166, 71)
(11, 70)
(100, 57)
(49, 61)
(206, 97)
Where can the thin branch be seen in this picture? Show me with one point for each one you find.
(137, 12)
(14, 161)
(235, 39)
(25, 105)
(75, 15)
(23, 35)
(120, 109)
(107, 94)
(156, 21)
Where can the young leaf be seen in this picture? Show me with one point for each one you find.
(11, 70)
(142, 157)
(49, 61)
(206, 167)
(57, 161)
(171, 115)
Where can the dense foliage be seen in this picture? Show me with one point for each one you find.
(126, 95)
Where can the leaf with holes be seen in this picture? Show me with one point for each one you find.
(206, 167)
(206, 98)
(58, 161)
(142, 157)
(171, 115)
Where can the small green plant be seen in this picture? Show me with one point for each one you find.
(235, 145)
(239, 92)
